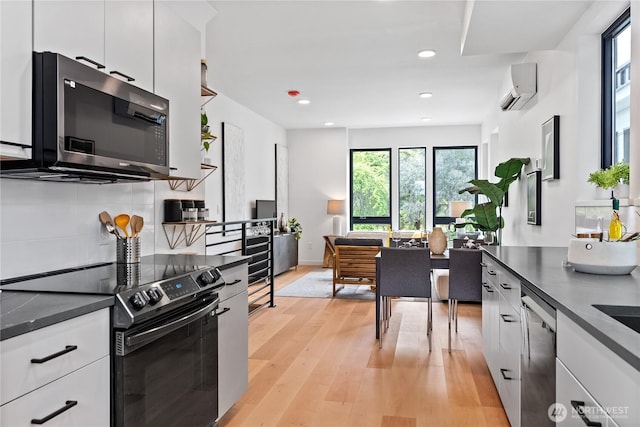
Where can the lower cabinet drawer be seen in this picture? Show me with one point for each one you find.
(575, 407)
(84, 392)
(36, 358)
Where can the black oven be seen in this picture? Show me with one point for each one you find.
(166, 369)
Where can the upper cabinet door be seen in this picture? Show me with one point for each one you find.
(129, 41)
(71, 28)
(177, 78)
(15, 79)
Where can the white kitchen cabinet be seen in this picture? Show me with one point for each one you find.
(50, 368)
(84, 392)
(233, 339)
(116, 34)
(613, 383)
(16, 45)
(72, 28)
(501, 334)
(129, 40)
(578, 408)
(177, 78)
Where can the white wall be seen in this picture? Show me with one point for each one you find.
(568, 86)
(317, 173)
(260, 136)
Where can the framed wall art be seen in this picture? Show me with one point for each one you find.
(534, 184)
(551, 149)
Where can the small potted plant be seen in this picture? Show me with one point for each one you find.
(614, 178)
(295, 228)
(205, 136)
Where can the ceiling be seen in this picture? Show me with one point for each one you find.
(356, 61)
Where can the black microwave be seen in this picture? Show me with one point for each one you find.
(89, 126)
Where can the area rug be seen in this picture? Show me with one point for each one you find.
(319, 284)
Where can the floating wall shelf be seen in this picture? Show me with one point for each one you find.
(209, 93)
(187, 232)
(176, 182)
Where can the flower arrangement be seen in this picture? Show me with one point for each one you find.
(295, 228)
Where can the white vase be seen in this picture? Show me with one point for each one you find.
(621, 191)
(603, 193)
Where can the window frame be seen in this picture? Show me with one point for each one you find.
(369, 220)
(443, 220)
(608, 86)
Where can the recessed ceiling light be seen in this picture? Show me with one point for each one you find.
(427, 53)
(329, 123)
(303, 101)
(425, 119)
(422, 95)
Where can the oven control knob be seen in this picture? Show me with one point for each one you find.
(206, 279)
(138, 301)
(154, 295)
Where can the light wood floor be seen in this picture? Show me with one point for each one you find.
(316, 362)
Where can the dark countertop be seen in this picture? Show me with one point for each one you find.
(22, 311)
(573, 293)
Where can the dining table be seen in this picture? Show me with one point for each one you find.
(438, 261)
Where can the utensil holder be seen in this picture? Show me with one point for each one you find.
(128, 274)
(128, 250)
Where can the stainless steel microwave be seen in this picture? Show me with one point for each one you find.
(92, 127)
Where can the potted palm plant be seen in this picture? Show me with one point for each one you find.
(487, 216)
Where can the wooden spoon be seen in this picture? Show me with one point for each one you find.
(137, 222)
(122, 221)
(106, 220)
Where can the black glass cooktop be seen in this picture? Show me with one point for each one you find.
(109, 279)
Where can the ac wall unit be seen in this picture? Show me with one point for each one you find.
(520, 86)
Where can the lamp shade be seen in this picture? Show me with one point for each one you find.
(335, 207)
(457, 207)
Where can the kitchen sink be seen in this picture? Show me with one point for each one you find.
(628, 315)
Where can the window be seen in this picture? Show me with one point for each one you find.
(370, 189)
(453, 168)
(412, 176)
(616, 63)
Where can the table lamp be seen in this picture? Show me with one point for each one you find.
(456, 208)
(336, 208)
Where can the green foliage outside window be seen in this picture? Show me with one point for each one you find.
(454, 168)
(371, 184)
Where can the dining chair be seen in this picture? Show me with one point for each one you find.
(404, 272)
(465, 281)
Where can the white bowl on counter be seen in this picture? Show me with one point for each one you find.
(595, 257)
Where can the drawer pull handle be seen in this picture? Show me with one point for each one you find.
(483, 264)
(234, 282)
(506, 318)
(491, 272)
(224, 310)
(66, 350)
(578, 406)
(506, 286)
(68, 405)
(129, 79)
(502, 371)
(98, 65)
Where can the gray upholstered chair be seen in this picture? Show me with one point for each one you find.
(404, 273)
(465, 281)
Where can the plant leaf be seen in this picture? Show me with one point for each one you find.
(511, 167)
(485, 215)
(492, 191)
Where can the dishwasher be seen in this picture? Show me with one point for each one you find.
(538, 371)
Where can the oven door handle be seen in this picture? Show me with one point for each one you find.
(155, 333)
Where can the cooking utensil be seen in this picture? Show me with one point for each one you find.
(137, 222)
(122, 221)
(106, 220)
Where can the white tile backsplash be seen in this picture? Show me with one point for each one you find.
(48, 226)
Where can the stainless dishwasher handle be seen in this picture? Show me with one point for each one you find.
(160, 331)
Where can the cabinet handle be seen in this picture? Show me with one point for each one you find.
(129, 78)
(507, 318)
(502, 371)
(483, 264)
(98, 65)
(66, 350)
(506, 286)
(234, 282)
(578, 406)
(68, 405)
(491, 272)
(224, 310)
(487, 287)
